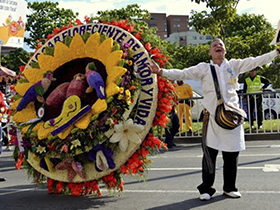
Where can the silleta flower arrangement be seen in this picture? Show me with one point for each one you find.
(85, 107)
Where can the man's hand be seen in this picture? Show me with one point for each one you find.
(154, 68)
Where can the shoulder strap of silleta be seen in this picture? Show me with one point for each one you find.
(216, 83)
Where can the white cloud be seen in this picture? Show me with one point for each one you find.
(88, 7)
(267, 8)
(174, 7)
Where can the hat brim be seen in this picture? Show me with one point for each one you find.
(276, 40)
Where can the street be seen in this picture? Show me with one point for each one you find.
(171, 184)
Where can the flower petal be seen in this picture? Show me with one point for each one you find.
(137, 128)
(116, 137)
(123, 144)
(128, 124)
(119, 128)
(133, 137)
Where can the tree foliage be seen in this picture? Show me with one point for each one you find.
(44, 18)
(136, 16)
(218, 20)
(15, 59)
(244, 35)
(132, 12)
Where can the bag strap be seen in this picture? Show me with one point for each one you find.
(216, 83)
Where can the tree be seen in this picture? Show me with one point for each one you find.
(218, 20)
(244, 35)
(44, 18)
(135, 15)
(15, 59)
(249, 24)
(132, 12)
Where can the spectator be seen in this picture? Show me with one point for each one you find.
(172, 128)
(183, 91)
(253, 84)
(2, 109)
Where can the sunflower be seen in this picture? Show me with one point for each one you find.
(78, 52)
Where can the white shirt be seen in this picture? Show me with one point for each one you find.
(217, 137)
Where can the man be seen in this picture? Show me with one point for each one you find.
(230, 142)
(184, 91)
(253, 84)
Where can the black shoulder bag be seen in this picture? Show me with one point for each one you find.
(229, 117)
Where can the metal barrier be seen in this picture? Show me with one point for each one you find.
(270, 114)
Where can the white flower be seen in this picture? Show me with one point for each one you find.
(125, 132)
(75, 143)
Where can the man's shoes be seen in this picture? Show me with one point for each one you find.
(2, 179)
(233, 194)
(259, 127)
(205, 197)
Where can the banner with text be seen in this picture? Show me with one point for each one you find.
(12, 22)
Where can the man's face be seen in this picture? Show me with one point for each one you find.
(253, 73)
(217, 49)
(180, 82)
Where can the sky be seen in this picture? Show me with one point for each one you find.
(268, 8)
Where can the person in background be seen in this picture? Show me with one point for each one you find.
(172, 128)
(183, 91)
(230, 142)
(253, 84)
(2, 110)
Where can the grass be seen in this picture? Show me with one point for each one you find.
(267, 126)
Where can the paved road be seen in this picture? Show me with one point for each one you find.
(171, 184)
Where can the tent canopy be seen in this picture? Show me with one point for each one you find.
(6, 74)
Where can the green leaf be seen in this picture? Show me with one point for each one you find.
(39, 90)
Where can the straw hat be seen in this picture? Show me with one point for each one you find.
(276, 40)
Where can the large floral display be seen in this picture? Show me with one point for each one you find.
(85, 106)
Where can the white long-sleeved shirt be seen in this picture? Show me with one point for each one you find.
(219, 138)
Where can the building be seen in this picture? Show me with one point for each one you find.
(177, 23)
(158, 20)
(168, 25)
(190, 37)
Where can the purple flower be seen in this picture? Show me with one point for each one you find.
(101, 151)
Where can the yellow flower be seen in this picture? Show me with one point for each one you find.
(26, 114)
(41, 149)
(75, 143)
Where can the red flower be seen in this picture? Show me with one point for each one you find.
(87, 19)
(60, 187)
(138, 36)
(19, 161)
(50, 36)
(64, 28)
(21, 68)
(50, 186)
(51, 146)
(114, 110)
(148, 46)
(56, 30)
(78, 22)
